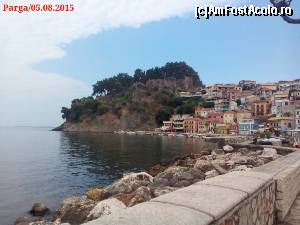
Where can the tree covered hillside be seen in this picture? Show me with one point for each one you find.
(149, 96)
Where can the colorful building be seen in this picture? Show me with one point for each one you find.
(229, 117)
(282, 124)
(247, 126)
(261, 108)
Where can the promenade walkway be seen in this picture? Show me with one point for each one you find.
(293, 218)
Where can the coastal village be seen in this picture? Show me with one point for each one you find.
(246, 108)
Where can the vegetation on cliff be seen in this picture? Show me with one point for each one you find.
(152, 96)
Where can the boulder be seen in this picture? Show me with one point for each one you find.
(142, 194)
(241, 168)
(230, 164)
(269, 154)
(228, 148)
(197, 174)
(26, 220)
(171, 172)
(244, 151)
(187, 162)
(203, 165)
(176, 174)
(74, 210)
(158, 182)
(181, 183)
(106, 207)
(128, 184)
(47, 223)
(163, 190)
(39, 209)
(94, 194)
(211, 173)
(154, 170)
(218, 152)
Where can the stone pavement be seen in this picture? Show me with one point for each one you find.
(293, 218)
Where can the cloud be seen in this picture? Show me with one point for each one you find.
(29, 97)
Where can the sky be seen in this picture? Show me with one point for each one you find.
(48, 59)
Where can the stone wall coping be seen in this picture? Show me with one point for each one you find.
(278, 166)
(150, 213)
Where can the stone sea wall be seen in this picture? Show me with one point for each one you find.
(256, 210)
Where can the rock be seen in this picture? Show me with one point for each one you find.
(230, 164)
(182, 183)
(236, 157)
(219, 162)
(124, 197)
(187, 162)
(128, 184)
(198, 174)
(142, 194)
(269, 154)
(94, 194)
(218, 151)
(211, 173)
(228, 148)
(74, 210)
(260, 162)
(219, 169)
(47, 223)
(241, 168)
(39, 209)
(163, 190)
(106, 207)
(158, 182)
(203, 165)
(154, 170)
(242, 161)
(171, 172)
(244, 151)
(176, 174)
(26, 220)
(207, 157)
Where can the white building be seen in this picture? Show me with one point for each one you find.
(297, 118)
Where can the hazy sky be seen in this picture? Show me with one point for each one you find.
(46, 60)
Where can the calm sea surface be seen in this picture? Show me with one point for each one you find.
(40, 165)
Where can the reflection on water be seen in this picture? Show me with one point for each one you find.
(39, 165)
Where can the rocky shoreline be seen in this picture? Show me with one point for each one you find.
(135, 188)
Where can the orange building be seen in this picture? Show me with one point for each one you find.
(261, 108)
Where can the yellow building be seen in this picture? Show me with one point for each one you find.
(222, 128)
(229, 117)
(242, 115)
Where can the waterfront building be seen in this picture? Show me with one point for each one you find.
(202, 127)
(261, 108)
(282, 124)
(241, 115)
(178, 122)
(229, 117)
(247, 126)
(222, 128)
(167, 126)
(191, 125)
(297, 118)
